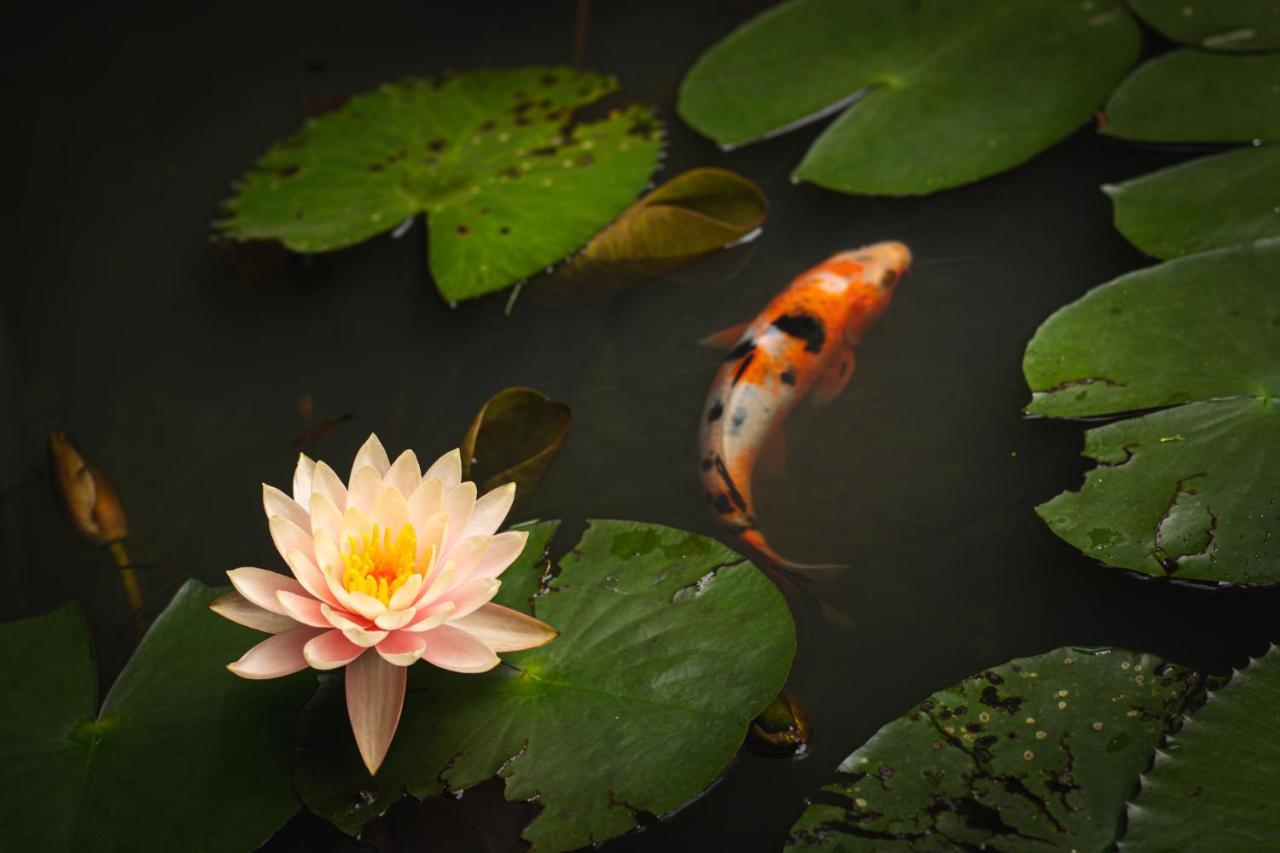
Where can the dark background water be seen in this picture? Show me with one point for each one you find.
(177, 363)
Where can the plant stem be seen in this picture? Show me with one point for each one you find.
(128, 577)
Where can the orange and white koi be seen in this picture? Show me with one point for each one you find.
(801, 344)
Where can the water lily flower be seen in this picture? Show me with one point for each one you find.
(391, 567)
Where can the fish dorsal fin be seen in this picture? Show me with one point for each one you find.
(725, 338)
(833, 379)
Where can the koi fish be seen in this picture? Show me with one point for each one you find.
(801, 344)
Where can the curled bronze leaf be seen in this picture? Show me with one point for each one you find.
(91, 502)
(513, 439)
(781, 729)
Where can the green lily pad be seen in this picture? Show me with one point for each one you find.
(933, 94)
(1035, 754)
(508, 182)
(670, 645)
(514, 439)
(1188, 491)
(1228, 25)
(1214, 785)
(182, 755)
(1208, 203)
(1193, 96)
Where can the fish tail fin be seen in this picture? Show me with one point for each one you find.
(756, 540)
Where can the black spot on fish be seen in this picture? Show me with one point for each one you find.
(803, 326)
(742, 368)
(730, 487)
(741, 350)
(739, 418)
(722, 505)
(705, 465)
(788, 376)
(714, 413)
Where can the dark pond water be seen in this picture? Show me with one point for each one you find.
(178, 362)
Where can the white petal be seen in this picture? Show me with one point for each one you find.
(363, 490)
(355, 526)
(502, 552)
(403, 597)
(290, 537)
(466, 556)
(234, 606)
(390, 510)
(364, 638)
(326, 482)
(373, 455)
(431, 617)
(395, 619)
(447, 469)
(430, 538)
(425, 502)
(325, 516)
(458, 502)
(342, 620)
(490, 511)
(505, 630)
(276, 502)
(404, 474)
(302, 479)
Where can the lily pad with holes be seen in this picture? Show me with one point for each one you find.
(1038, 753)
(1191, 491)
(514, 439)
(509, 182)
(1226, 25)
(176, 729)
(1193, 96)
(1205, 204)
(931, 94)
(670, 644)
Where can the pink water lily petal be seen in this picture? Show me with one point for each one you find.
(505, 630)
(260, 586)
(430, 616)
(330, 649)
(375, 696)
(363, 490)
(390, 511)
(425, 501)
(436, 584)
(288, 536)
(302, 479)
(406, 595)
(373, 455)
(490, 511)
(364, 638)
(311, 578)
(324, 516)
(355, 526)
(234, 606)
(394, 620)
(326, 482)
(402, 648)
(404, 474)
(502, 551)
(469, 595)
(447, 469)
(430, 539)
(456, 650)
(343, 620)
(279, 654)
(466, 555)
(276, 502)
(366, 605)
(304, 608)
(459, 503)
(328, 557)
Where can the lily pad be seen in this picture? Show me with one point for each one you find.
(932, 94)
(1038, 753)
(1188, 491)
(514, 438)
(1193, 96)
(670, 645)
(176, 730)
(508, 182)
(1214, 785)
(1227, 25)
(694, 213)
(1208, 203)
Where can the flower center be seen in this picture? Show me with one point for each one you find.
(378, 565)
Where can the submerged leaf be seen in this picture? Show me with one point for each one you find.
(1192, 96)
(1035, 754)
(932, 93)
(1228, 25)
(692, 214)
(182, 755)
(670, 644)
(513, 439)
(509, 184)
(1208, 203)
(1188, 491)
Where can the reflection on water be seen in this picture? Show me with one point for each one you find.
(178, 364)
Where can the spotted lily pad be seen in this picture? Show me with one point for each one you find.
(670, 645)
(1039, 753)
(1226, 25)
(514, 438)
(1191, 491)
(508, 181)
(1205, 204)
(931, 93)
(182, 755)
(1193, 96)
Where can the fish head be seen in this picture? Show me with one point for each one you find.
(872, 274)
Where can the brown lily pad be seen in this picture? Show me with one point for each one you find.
(513, 439)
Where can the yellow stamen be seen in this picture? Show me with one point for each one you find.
(378, 565)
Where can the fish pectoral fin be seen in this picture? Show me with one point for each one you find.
(773, 453)
(834, 379)
(725, 338)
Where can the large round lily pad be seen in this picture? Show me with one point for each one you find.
(182, 754)
(932, 93)
(508, 182)
(1227, 25)
(670, 644)
(1190, 491)
(1036, 754)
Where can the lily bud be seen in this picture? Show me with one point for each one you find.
(782, 729)
(91, 502)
